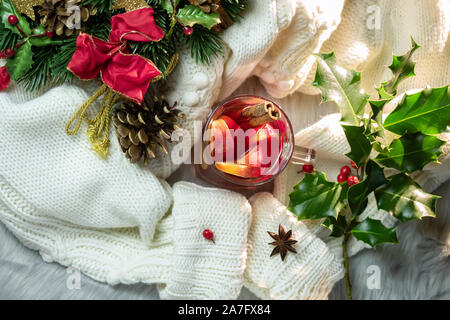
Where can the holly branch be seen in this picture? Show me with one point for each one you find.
(415, 122)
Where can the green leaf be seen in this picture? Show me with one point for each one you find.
(341, 86)
(6, 9)
(373, 232)
(191, 15)
(411, 152)
(337, 226)
(427, 111)
(40, 41)
(377, 107)
(315, 197)
(383, 94)
(359, 144)
(405, 200)
(168, 6)
(358, 193)
(402, 68)
(21, 62)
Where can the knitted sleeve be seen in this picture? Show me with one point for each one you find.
(288, 63)
(308, 274)
(202, 268)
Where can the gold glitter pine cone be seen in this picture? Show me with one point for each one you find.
(143, 129)
(59, 16)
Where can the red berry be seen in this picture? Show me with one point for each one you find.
(49, 34)
(308, 168)
(345, 170)
(352, 180)
(354, 165)
(9, 52)
(13, 20)
(208, 235)
(188, 30)
(4, 78)
(341, 178)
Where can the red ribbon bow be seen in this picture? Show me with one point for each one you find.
(125, 73)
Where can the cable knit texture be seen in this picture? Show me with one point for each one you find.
(309, 274)
(203, 269)
(112, 220)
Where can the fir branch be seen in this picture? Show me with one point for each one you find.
(99, 25)
(41, 72)
(205, 44)
(234, 8)
(7, 38)
(59, 62)
(102, 6)
(50, 66)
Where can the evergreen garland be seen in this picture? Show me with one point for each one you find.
(50, 61)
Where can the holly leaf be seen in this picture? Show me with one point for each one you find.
(411, 152)
(6, 9)
(359, 144)
(402, 67)
(337, 226)
(315, 197)
(405, 200)
(167, 5)
(358, 194)
(40, 41)
(191, 15)
(377, 107)
(341, 86)
(21, 62)
(373, 232)
(427, 111)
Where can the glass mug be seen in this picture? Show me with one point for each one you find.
(247, 142)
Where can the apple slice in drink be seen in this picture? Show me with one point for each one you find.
(222, 138)
(239, 170)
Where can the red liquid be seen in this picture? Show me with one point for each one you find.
(244, 153)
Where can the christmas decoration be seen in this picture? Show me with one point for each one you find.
(130, 5)
(283, 242)
(109, 59)
(26, 6)
(143, 129)
(127, 51)
(60, 16)
(417, 119)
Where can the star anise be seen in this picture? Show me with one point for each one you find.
(283, 242)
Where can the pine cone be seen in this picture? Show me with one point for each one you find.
(59, 16)
(142, 129)
(209, 6)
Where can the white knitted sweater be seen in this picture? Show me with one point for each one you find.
(112, 220)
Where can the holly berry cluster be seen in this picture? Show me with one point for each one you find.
(343, 176)
(13, 20)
